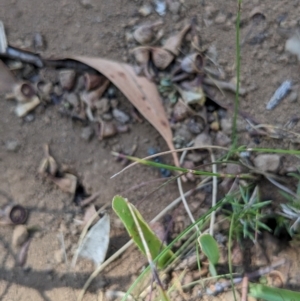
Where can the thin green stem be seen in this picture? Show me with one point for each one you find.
(238, 63)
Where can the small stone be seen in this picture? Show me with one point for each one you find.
(20, 235)
(72, 99)
(222, 139)
(29, 118)
(120, 116)
(174, 7)
(114, 103)
(129, 37)
(220, 18)
(39, 42)
(202, 139)
(86, 3)
(195, 157)
(59, 256)
(67, 78)
(146, 10)
(267, 162)
(210, 11)
(226, 125)
(87, 133)
(102, 105)
(180, 111)
(196, 125)
(107, 117)
(215, 126)
(293, 97)
(12, 145)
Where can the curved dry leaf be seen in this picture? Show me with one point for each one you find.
(140, 92)
(95, 244)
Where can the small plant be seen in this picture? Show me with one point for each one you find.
(246, 213)
(291, 210)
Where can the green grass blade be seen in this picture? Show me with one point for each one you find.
(272, 293)
(210, 248)
(120, 206)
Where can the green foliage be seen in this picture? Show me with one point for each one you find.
(156, 247)
(290, 215)
(246, 213)
(272, 293)
(210, 248)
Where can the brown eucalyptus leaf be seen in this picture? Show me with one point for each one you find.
(140, 92)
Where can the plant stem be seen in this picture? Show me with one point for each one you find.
(238, 61)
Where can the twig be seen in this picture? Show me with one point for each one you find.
(221, 286)
(112, 295)
(179, 183)
(90, 199)
(224, 85)
(62, 241)
(214, 195)
(244, 288)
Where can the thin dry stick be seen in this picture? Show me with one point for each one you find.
(62, 240)
(166, 153)
(129, 243)
(91, 198)
(179, 183)
(224, 85)
(214, 195)
(245, 288)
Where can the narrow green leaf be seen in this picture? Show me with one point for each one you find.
(272, 293)
(210, 248)
(120, 206)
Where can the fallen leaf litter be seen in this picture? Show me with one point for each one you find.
(85, 105)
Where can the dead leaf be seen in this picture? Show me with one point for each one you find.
(140, 92)
(95, 244)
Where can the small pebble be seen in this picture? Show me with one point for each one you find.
(120, 116)
(293, 97)
(202, 139)
(180, 111)
(29, 118)
(87, 133)
(20, 235)
(222, 139)
(174, 7)
(195, 157)
(146, 10)
(39, 42)
(86, 3)
(226, 125)
(59, 256)
(72, 99)
(195, 125)
(215, 126)
(107, 117)
(220, 18)
(111, 92)
(12, 145)
(114, 103)
(267, 162)
(102, 105)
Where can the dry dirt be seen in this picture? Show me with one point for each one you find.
(97, 29)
